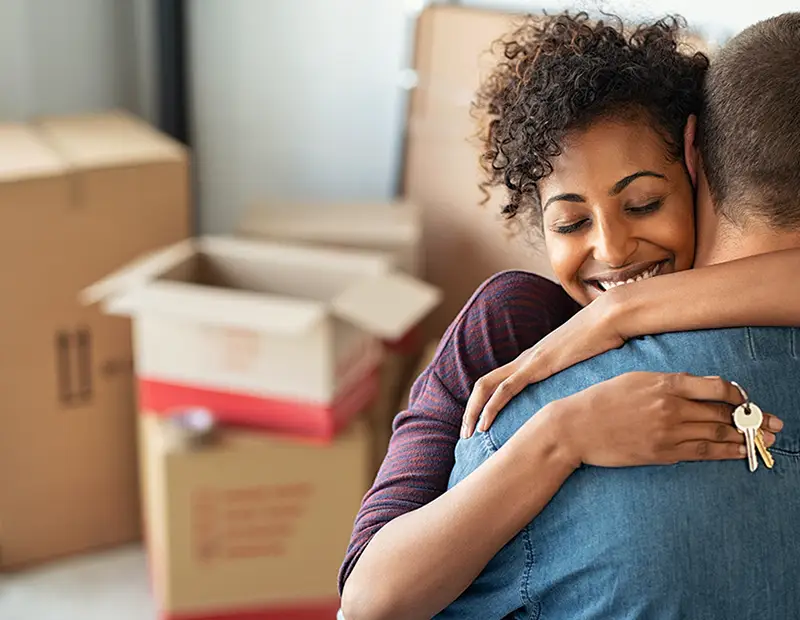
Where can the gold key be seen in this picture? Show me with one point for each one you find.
(763, 450)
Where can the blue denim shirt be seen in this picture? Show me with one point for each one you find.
(694, 540)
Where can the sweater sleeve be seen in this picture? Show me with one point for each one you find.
(508, 313)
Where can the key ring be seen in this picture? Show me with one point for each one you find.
(746, 403)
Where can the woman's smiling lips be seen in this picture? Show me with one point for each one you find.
(640, 271)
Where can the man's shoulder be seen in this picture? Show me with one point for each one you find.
(717, 345)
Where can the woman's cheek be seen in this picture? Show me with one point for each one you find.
(683, 230)
(565, 259)
(679, 237)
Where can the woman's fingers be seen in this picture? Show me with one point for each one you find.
(703, 388)
(705, 411)
(772, 423)
(507, 390)
(718, 432)
(703, 450)
(692, 411)
(481, 393)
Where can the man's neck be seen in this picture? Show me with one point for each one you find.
(732, 243)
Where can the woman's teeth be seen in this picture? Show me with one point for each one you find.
(606, 285)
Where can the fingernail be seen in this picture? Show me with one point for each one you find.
(742, 451)
(712, 377)
(463, 432)
(775, 424)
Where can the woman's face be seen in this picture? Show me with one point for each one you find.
(616, 209)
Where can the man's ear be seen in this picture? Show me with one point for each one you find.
(690, 154)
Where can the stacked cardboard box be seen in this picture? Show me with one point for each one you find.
(78, 197)
(272, 335)
(250, 525)
(282, 342)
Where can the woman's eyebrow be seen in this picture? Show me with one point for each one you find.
(565, 198)
(623, 183)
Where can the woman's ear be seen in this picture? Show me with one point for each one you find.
(690, 154)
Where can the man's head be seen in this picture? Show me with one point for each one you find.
(748, 136)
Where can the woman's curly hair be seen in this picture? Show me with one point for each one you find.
(560, 73)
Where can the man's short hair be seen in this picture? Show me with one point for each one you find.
(749, 127)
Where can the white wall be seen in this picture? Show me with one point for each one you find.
(73, 56)
(294, 99)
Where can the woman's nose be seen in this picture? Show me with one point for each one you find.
(614, 244)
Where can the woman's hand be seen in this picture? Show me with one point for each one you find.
(651, 418)
(592, 331)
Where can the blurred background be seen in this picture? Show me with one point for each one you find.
(320, 124)
(276, 90)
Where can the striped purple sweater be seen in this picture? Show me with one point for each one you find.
(508, 314)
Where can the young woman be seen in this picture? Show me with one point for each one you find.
(587, 133)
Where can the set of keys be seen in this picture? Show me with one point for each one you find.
(748, 419)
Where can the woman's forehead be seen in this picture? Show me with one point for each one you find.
(610, 150)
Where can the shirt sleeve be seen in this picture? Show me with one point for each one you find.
(507, 314)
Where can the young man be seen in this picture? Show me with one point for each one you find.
(695, 540)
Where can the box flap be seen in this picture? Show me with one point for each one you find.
(24, 155)
(348, 260)
(387, 305)
(360, 224)
(106, 140)
(139, 272)
(219, 307)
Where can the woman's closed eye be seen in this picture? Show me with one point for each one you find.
(567, 228)
(650, 207)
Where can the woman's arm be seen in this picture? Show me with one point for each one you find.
(755, 291)
(508, 314)
(422, 561)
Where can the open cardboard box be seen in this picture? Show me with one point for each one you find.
(267, 334)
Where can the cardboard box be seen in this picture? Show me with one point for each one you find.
(392, 228)
(274, 335)
(250, 526)
(78, 197)
(464, 242)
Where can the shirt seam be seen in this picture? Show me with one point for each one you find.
(488, 443)
(534, 606)
(750, 345)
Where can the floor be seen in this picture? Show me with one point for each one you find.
(112, 585)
